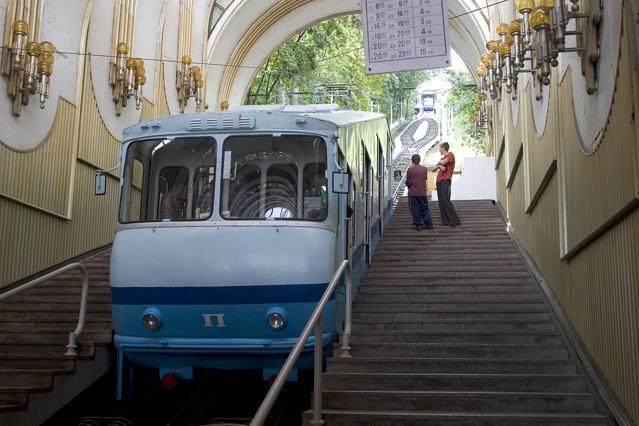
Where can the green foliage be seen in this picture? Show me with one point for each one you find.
(462, 100)
(331, 53)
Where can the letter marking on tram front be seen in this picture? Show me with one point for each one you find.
(219, 320)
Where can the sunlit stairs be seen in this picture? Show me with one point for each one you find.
(449, 328)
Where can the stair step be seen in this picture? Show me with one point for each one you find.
(452, 306)
(28, 378)
(457, 273)
(55, 326)
(460, 337)
(443, 314)
(472, 281)
(459, 382)
(452, 365)
(453, 325)
(12, 407)
(445, 350)
(84, 349)
(8, 306)
(68, 315)
(454, 418)
(503, 402)
(17, 396)
(432, 298)
(55, 298)
(442, 289)
(52, 337)
(45, 362)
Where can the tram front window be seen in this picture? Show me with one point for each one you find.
(168, 180)
(274, 177)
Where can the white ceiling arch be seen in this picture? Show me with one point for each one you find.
(251, 30)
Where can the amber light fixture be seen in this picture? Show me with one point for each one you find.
(189, 83)
(532, 44)
(127, 78)
(28, 66)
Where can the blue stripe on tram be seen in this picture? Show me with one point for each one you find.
(285, 293)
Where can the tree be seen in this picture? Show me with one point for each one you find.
(326, 54)
(462, 100)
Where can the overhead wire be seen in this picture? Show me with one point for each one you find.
(214, 64)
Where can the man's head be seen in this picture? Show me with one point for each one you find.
(444, 147)
(416, 158)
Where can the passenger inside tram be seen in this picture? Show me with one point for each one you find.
(173, 204)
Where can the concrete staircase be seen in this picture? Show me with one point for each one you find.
(449, 328)
(35, 330)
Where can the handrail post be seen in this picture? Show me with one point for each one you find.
(317, 374)
(72, 346)
(348, 296)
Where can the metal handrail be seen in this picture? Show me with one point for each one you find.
(71, 347)
(315, 321)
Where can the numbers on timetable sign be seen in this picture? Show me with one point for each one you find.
(380, 56)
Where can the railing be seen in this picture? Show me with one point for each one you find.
(315, 321)
(71, 347)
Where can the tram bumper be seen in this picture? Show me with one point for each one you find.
(225, 354)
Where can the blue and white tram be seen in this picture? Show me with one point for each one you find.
(428, 100)
(231, 224)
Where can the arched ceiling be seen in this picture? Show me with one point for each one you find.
(251, 30)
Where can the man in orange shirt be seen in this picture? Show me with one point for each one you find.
(444, 169)
(416, 177)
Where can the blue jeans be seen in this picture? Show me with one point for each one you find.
(419, 210)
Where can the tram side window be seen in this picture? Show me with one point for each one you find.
(315, 191)
(174, 190)
(135, 196)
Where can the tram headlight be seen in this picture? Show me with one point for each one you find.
(151, 319)
(276, 319)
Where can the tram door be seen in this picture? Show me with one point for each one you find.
(380, 186)
(368, 210)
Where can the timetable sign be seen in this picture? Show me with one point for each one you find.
(405, 35)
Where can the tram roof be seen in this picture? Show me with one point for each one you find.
(325, 112)
(237, 119)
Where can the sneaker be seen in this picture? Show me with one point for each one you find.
(430, 228)
(418, 228)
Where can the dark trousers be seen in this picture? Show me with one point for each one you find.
(446, 208)
(419, 210)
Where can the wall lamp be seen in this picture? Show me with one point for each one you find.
(479, 118)
(127, 77)
(537, 39)
(549, 20)
(189, 83)
(28, 66)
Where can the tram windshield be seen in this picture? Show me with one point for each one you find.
(169, 180)
(274, 177)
